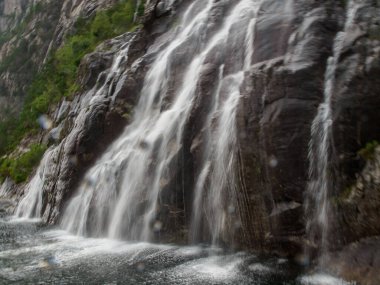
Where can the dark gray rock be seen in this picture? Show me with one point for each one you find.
(358, 261)
(280, 99)
(281, 92)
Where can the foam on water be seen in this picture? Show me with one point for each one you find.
(214, 268)
(323, 279)
(259, 268)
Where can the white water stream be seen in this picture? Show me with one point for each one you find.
(31, 204)
(320, 153)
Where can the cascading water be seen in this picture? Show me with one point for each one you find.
(136, 14)
(31, 204)
(125, 182)
(321, 182)
(219, 165)
(119, 197)
(215, 188)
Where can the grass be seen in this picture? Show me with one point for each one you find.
(56, 81)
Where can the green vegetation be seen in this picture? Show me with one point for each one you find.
(141, 8)
(368, 152)
(20, 168)
(56, 81)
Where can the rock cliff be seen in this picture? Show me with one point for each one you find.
(280, 95)
(29, 30)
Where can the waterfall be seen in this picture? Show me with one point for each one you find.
(318, 192)
(31, 204)
(215, 202)
(219, 165)
(119, 196)
(6, 188)
(125, 183)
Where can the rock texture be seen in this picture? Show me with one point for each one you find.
(280, 96)
(280, 100)
(357, 209)
(29, 29)
(355, 112)
(11, 11)
(275, 118)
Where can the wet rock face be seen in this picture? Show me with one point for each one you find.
(280, 98)
(355, 104)
(357, 95)
(281, 92)
(357, 206)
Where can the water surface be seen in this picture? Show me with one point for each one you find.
(31, 253)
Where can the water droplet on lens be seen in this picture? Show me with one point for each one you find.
(157, 226)
(89, 182)
(237, 224)
(45, 122)
(273, 162)
(55, 134)
(73, 159)
(140, 266)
